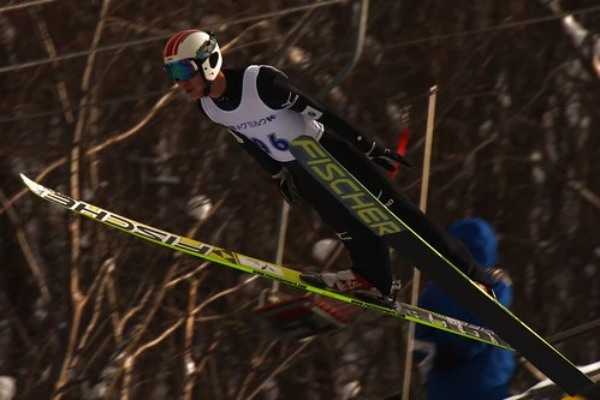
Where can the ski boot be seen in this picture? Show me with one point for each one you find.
(342, 281)
(390, 301)
(348, 281)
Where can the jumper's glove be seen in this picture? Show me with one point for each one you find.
(498, 275)
(386, 158)
(287, 187)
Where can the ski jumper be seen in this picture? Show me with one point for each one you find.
(264, 111)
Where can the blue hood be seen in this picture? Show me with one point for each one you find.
(479, 237)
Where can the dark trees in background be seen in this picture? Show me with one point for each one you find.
(88, 312)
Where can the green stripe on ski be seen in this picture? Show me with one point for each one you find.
(369, 210)
(255, 266)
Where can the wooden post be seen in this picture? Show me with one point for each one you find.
(410, 343)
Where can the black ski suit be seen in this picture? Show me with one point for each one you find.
(369, 254)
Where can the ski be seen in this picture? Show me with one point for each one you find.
(367, 209)
(256, 266)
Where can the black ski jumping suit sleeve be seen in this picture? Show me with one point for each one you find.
(335, 124)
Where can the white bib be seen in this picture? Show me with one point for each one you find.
(271, 130)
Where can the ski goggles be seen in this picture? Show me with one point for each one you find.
(181, 70)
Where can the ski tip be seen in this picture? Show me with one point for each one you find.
(32, 185)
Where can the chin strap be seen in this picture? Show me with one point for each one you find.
(207, 85)
(207, 89)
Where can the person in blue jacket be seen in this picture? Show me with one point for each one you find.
(453, 367)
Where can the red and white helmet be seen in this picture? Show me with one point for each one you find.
(200, 46)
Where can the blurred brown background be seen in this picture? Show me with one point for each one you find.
(88, 312)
